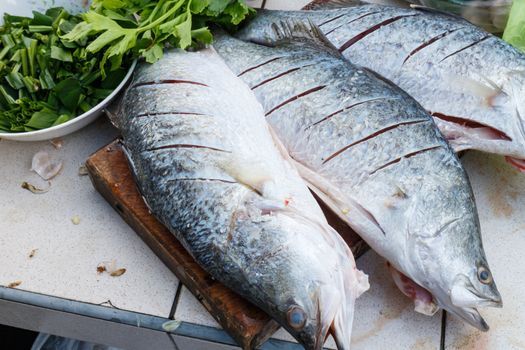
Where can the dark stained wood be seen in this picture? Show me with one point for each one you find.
(111, 176)
(248, 325)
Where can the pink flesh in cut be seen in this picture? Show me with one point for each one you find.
(483, 132)
(517, 163)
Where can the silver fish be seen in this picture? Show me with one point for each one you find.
(208, 168)
(375, 156)
(472, 82)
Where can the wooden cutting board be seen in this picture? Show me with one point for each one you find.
(247, 324)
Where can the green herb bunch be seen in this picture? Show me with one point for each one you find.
(145, 27)
(55, 66)
(46, 80)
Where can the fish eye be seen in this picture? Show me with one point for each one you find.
(296, 317)
(484, 275)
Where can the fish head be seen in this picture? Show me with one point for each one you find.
(314, 294)
(470, 292)
(323, 299)
(441, 238)
(310, 317)
(456, 272)
(465, 293)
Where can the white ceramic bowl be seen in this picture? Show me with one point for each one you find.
(25, 8)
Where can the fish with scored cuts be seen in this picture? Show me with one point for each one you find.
(471, 82)
(207, 166)
(376, 158)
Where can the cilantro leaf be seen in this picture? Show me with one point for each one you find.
(111, 27)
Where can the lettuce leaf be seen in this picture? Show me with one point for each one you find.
(515, 30)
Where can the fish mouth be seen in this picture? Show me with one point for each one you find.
(493, 301)
(336, 315)
(464, 301)
(341, 330)
(469, 298)
(314, 336)
(470, 315)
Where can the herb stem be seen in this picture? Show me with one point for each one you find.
(154, 12)
(162, 18)
(25, 63)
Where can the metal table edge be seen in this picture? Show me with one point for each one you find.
(131, 318)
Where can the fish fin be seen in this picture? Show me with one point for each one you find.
(487, 92)
(256, 176)
(127, 154)
(516, 94)
(332, 4)
(379, 76)
(114, 111)
(134, 172)
(280, 146)
(293, 30)
(252, 174)
(423, 300)
(438, 12)
(346, 208)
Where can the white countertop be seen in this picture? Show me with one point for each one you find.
(65, 262)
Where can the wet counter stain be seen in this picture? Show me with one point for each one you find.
(397, 302)
(474, 341)
(426, 343)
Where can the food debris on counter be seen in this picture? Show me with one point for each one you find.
(108, 302)
(31, 188)
(57, 143)
(14, 284)
(75, 220)
(82, 170)
(32, 253)
(110, 267)
(44, 166)
(118, 272)
(171, 326)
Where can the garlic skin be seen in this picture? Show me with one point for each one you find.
(44, 166)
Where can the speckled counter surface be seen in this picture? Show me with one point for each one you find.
(66, 256)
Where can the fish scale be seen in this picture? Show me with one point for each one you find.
(471, 81)
(209, 169)
(188, 131)
(357, 165)
(287, 86)
(376, 158)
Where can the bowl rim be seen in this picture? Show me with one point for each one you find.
(94, 109)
